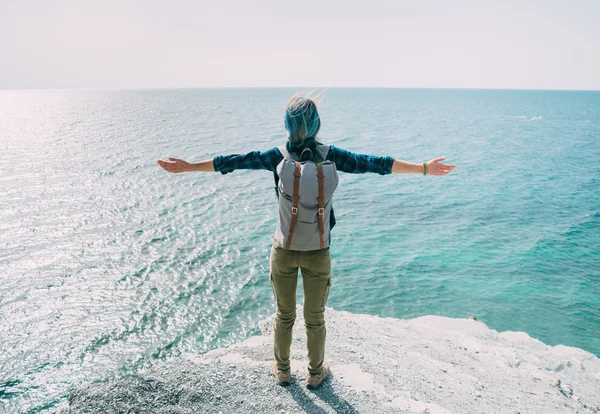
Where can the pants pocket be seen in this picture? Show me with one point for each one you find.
(326, 295)
(273, 287)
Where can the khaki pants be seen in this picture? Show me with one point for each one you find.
(316, 280)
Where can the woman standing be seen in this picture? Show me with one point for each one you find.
(302, 123)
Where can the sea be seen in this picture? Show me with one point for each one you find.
(110, 265)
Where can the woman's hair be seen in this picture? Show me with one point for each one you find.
(302, 123)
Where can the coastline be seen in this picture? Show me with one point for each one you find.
(430, 364)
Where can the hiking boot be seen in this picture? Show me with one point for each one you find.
(282, 377)
(314, 380)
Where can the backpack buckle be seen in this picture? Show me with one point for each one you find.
(294, 211)
(321, 211)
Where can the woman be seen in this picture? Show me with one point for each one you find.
(302, 123)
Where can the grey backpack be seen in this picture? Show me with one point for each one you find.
(305, 192)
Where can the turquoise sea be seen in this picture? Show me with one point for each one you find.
(109, 264)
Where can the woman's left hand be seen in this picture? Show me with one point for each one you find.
(177, 166)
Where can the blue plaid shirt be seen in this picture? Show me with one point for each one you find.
(345, 161)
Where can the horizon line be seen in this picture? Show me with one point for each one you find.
(292, 87)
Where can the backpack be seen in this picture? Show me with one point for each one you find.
(305, 190)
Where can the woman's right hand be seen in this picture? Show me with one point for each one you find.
(177, 166)
(434, 167)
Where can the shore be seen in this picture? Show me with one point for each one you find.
(431, 364)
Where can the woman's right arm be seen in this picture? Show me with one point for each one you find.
(434, 167)
(354, 163)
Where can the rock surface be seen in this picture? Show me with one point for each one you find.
(429, 365)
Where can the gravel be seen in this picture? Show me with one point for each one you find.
(431, 364)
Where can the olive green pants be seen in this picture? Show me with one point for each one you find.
(315, 266)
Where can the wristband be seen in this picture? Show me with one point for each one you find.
(424, 168)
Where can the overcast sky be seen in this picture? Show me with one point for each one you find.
(553, 44)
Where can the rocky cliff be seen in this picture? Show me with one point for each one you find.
(429, 365)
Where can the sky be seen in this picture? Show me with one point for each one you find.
(124, 44)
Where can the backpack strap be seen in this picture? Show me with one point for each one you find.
(320, 199)
(276, 178)
(285, 152)
(323, 150)
(296, 198)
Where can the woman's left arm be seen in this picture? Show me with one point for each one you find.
(254, 160)
(179, 166)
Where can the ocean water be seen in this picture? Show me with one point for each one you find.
(109, 264)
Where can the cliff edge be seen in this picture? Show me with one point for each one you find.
(430, 364)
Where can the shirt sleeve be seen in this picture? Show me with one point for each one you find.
(354, 163)
(255, 160)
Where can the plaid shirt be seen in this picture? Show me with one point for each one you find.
(345, 161)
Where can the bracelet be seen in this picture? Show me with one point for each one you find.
(424, 168)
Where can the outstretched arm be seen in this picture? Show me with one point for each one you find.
(434, 167)
(255, 160)
(354, 163)
(179, 166)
